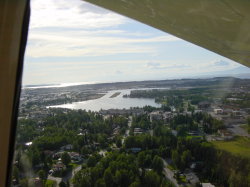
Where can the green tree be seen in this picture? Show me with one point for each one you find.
(186, 158)
(157, 164)
(100, 183)
(122, 178)
(62, 184)
(108, 177)
(24, 182)
(135, 184)
(42, 176)
(92, 161)
(118, 142)
(82, 178)
(176, 158)
(152, 179)
(15, 173)
(66, 158)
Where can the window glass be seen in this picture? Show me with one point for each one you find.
(108, 101)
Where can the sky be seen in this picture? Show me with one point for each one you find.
(76, 42)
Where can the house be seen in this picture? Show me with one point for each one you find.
(135, 149)
(197, 111)
(75, 156)
(138, 131)
(203, 105)
(67, 147)
(227, 111)
(57, 155)
(58, 167)
(225, 134)
(37, 182)
(156, 115)
(194, 133)
(167, 116)
(207, 185)
(116, 131)
(172, 108)
(174, 132)
(48, 152)
(236, 113)
(218, 111)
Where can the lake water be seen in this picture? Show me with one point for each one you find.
(106, 102)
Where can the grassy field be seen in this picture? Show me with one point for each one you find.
(50, 183)
(238, 146)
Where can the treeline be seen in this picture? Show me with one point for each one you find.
(174, 97)
(122, 169)
(195, 122)
(84, 130)
(218, 167)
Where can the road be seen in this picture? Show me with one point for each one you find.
(127, 131)
(169, 174)
(66, 178)
(57, 179)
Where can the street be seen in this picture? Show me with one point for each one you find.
(66, 178)
(169, 174)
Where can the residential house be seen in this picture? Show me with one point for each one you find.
(58, 167)
(156, 115)
(218, 111)
(203, 105)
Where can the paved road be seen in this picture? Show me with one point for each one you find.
(71, 174)
(57, 179)
(127, 131)
(130, 121)
(169, 174)
(66, 178)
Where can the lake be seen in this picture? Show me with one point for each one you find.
(107, 102)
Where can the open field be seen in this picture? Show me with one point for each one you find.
(238, 146)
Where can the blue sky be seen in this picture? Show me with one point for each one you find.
(76, 42)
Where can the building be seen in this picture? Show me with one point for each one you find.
(58, 167)
(75, 156)
(203, 105)
(218, 111)
(207, 185)
(138, 131)
(225, 134)
(167, 116)
(156, 115)
(67, 147)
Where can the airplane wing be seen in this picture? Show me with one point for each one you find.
(219, 26)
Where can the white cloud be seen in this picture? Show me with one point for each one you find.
(167, 66)
(89, 34)
(221, 63)
(71, 14)
(88, 43)
(77, 29)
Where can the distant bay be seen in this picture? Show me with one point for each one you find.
(107, 102)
